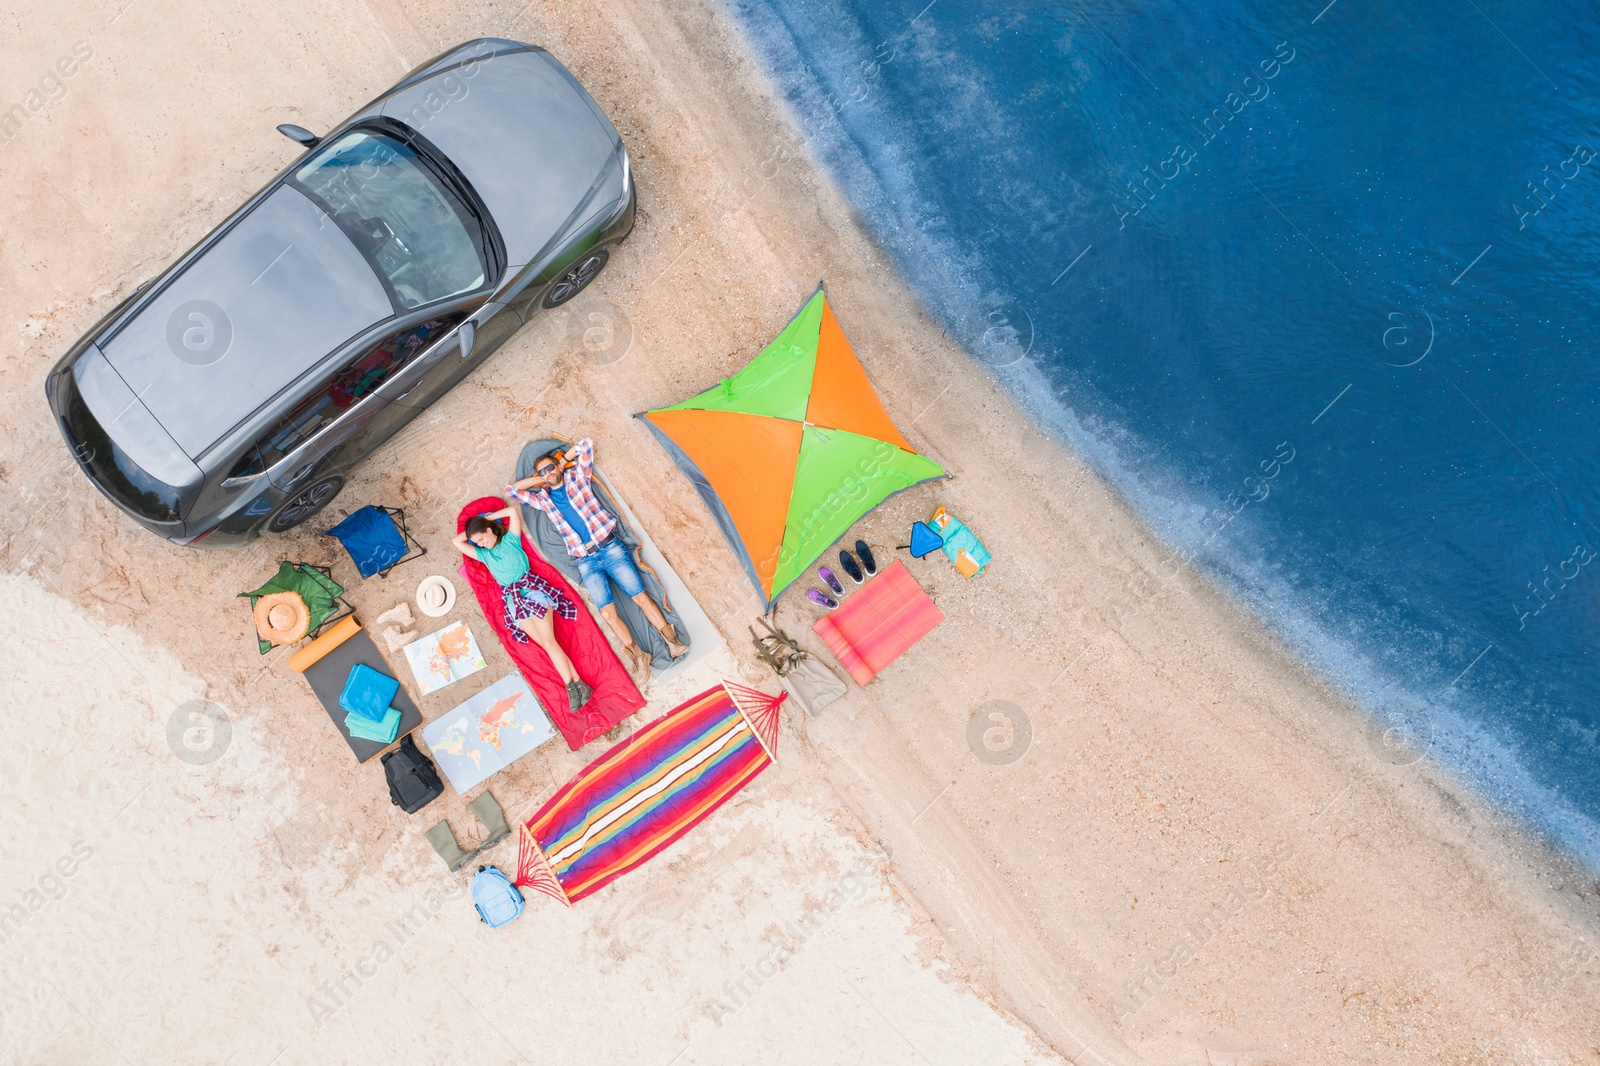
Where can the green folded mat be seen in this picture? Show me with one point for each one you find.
(381, 732)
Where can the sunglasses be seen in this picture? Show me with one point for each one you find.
(543, 470)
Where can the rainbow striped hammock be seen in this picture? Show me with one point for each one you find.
(647, 791)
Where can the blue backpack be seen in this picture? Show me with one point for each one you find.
(496, 898)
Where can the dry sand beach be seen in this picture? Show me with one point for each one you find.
(1182, 848)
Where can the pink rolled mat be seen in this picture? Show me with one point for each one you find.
(879, 622)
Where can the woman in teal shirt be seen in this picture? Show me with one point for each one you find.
(528, 597)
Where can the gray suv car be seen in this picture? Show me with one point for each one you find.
(232, 393)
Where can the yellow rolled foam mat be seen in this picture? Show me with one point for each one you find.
(303, 659)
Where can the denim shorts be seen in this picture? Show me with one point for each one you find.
(612, 558)
(525, 600)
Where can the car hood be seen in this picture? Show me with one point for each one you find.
(533, 144)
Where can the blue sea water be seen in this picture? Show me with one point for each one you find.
(1313, 286)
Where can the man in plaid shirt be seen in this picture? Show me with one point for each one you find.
(586, 527)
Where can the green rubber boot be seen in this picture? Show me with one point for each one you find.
(487, 808)
(444, 842)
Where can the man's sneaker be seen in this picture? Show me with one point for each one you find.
(868, 563)
(821, 599)
(848, 563)
(832, 579)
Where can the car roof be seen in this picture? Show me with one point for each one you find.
(525, 134)
(284, 254)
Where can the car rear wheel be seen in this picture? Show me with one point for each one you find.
(305, 504)
(577, 277)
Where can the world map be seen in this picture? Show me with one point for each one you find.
(501, 715)
(488, 732)
(442, 658)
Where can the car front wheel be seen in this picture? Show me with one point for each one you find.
(305, 504)
(576, 278)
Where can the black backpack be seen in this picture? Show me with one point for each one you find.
(413, 782)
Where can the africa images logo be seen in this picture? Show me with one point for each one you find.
(49, 89)
(199, 332)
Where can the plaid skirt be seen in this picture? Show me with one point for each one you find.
(531, 597)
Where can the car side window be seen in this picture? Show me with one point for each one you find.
(344, 389)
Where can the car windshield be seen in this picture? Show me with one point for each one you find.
(415, 231)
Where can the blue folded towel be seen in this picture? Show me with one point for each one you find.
(368, 693)
(381, 732)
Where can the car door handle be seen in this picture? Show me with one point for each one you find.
(299, 474)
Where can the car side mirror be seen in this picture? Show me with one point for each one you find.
(300, 135)
(468, 335)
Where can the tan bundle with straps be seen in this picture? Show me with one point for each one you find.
(812, 685)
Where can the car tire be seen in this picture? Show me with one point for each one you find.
(576, 277)
(305, 503)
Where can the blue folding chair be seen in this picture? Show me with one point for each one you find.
(377, 539)
(924, 541)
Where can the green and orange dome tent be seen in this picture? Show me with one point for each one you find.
(792, 450)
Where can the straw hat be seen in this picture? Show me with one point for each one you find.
(282, 618)
(436, 596)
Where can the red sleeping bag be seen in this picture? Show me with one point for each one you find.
(615, 695)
